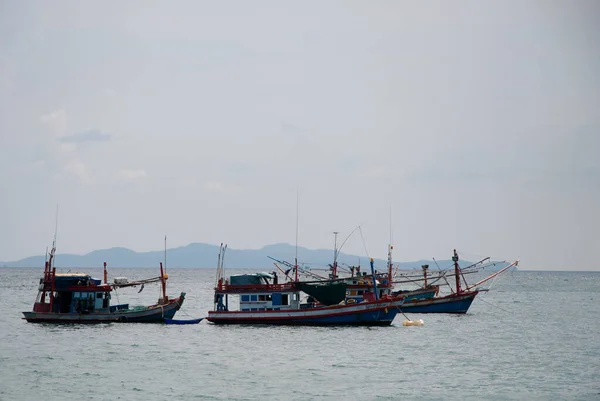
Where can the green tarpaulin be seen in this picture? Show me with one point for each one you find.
(326, 293)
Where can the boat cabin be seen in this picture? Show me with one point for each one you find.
(255, 292)
(358, 285)
(72, 293)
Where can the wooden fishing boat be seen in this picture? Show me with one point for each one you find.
(257, 299)
(80, 298)
(422, 300)
(358, 283)
(458, 301)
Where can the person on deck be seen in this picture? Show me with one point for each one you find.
(275, 277)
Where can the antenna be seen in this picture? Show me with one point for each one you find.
(51, 261)
(390, 247)
(391, 230)
(335, 233)
(296, 257)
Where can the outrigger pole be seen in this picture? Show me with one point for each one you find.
(515, 263)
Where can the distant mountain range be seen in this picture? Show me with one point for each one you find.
(199, 255)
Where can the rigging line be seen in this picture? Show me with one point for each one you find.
(296, 256)
(341, 246)
(493, 259)
(443, 276)
(492, 283)
(363, 241)
(52, 258)
(495, 306)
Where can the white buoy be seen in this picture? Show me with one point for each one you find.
(419, 322)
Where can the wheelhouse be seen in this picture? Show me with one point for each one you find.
(255, 292)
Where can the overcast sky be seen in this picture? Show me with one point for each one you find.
(476, 123)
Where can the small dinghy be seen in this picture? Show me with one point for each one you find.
(181, 321)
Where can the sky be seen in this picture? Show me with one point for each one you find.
(431, 125)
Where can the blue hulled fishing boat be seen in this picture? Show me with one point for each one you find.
(80, 298)
(259, 299)
(459, 300)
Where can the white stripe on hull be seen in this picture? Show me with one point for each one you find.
(302, 313)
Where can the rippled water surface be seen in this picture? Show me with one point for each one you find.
(534, 336)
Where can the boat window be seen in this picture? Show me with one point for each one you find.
(252, 297)
(99, 295)
(284, 299)
(264, 297)
(76, 295)
(245, 298)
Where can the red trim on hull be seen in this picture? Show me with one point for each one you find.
(297, 323)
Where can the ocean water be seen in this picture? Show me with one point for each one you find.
(533, 336)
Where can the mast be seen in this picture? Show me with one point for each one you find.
(374, 279)
(218, 279)
(296, 257)
(51, 268)
(390, 247)
(456, 272)
(163, 282)
(425, 268)
(334, 267)
(165, 253)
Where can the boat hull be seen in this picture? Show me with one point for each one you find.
(446, 304)
(422, 293)
(363, 314)
(150, 314)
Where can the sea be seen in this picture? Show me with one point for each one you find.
(533, 336)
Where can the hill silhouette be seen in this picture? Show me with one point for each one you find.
(200, 255)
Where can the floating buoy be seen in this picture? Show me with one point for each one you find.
(419, 322)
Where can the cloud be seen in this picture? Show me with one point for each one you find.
(56, 120)
(131, 175)
(215, 186)
(86, 136)
(374, 172)
(78, 169)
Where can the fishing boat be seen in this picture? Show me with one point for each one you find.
(258, 298)
(359, 282)
(80, 298)
(425, 299)
(459, 301)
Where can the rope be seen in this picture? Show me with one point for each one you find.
(363, 242)
(400, 310)
(495, 306)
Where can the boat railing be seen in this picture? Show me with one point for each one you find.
(238, 288)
